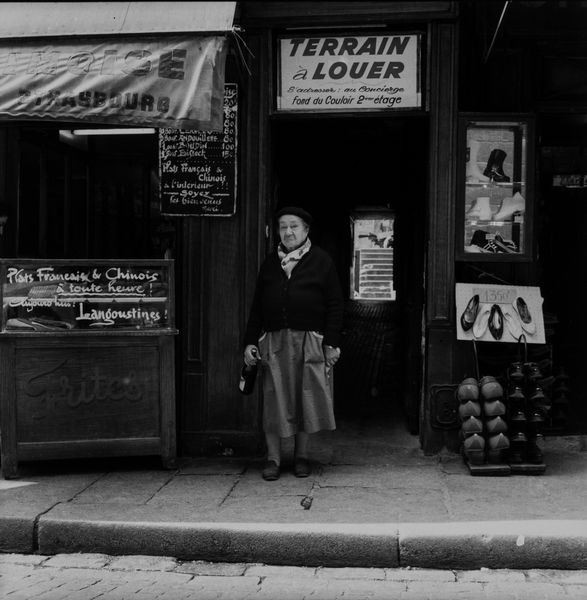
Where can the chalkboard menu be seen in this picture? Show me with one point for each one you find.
(198, 168)
(49, 296)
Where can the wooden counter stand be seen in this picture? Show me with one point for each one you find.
(87, 392)
(92, 395)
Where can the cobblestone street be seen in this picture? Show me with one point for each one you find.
(102, 577)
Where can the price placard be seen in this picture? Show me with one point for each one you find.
(198, 168)
(496, 295)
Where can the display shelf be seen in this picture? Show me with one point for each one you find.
(495, 193)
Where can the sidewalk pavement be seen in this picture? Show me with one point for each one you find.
(373, 500)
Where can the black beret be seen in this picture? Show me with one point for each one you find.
(296, 211)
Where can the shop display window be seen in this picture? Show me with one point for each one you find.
(497, 193)
(372, 260)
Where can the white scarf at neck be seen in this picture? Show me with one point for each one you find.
(290, 259)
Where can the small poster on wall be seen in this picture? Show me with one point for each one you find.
(499, 313)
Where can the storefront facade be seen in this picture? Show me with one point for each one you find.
(385, 182)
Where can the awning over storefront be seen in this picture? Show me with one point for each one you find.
(138, 63)
(41, 19)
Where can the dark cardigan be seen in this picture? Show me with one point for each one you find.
(311, 300)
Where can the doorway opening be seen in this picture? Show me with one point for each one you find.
(364, 182)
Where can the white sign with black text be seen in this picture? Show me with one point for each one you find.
(499, 313)
(349, 73)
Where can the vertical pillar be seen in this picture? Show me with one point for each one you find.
(439, 328)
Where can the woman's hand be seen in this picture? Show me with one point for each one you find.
(331, 355)
(251, 355)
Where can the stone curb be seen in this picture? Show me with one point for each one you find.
(330, 545)
(451, 545)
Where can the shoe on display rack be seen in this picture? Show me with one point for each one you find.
(490, 388)
(482, 320)
(480, 209)
(474, 449)
(498, 450)
(470, 313)
(523, 311)
(496, 322)
(494, 168)
(469, 409)
(474, 174)
(468, 389)
(510, 206)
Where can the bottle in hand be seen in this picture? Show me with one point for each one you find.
(248, 376)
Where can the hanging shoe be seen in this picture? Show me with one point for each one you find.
(516, 394)
(509, 207)
(533, 452)
(470, 313)
(496, 322)
(480, 325)
(494, 168)
(469, 409)
(474, 449)
(480, 209)
(474, 174)
(536, 395)
(499, 446)
(532, 371)
(490, 388)
(471, 425)
(494, 408)
(523, 312)
(496, 425)
(468, 389)
(518, 420)
(516, 372)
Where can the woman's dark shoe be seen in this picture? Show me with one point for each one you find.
(302, 467)
(470, 313)
(516, 394)
(494, 168)
(270, 471)
(496, 322)
(533, 372)
(516, 372)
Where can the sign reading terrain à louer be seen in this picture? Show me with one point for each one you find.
(349, 73)
(175, 81)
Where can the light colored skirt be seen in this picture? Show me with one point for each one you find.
(297, 389)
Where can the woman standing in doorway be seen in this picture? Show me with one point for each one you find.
(294, 332)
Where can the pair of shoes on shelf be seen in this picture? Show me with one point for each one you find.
(480, 209)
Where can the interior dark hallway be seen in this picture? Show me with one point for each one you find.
(334, 168)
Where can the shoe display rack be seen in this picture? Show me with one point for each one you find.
(496, 189)
(503, 419)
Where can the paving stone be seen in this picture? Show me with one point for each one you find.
(133, 487)
(212, 569)
(83, 561)
(213, 466)
(489, 575)
(557, 576)
(351, 573)
(143, 563)
(282, 572)
(21, 559)
(429, 575)
(195, 490)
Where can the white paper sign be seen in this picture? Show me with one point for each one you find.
(350, 72)
(499, 313)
